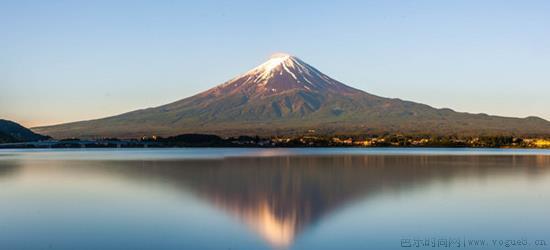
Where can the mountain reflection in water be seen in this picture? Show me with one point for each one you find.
(279, 197)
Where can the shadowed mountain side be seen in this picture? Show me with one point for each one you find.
(286, 96)
(279, 197)
(13, 132)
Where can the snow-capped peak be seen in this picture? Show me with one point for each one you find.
(274, 61)
(279, 55)
(282, 72)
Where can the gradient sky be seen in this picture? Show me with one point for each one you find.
(65, 61)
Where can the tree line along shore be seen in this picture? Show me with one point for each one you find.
(207, 140)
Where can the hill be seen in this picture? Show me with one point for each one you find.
(286, 96)
(13, 132)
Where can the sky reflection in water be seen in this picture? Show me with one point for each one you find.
(267, 199)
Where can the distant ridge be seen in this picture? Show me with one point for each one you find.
(13, 132)
(285, 96)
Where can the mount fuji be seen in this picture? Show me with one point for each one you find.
(286, 96)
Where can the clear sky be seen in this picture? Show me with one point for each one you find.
(64, 61)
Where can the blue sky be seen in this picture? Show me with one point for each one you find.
(65, 61)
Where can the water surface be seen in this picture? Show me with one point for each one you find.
(272, 198)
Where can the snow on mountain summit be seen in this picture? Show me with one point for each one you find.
(281, 72)
(274, 61)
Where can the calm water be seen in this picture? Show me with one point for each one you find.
(274, 198)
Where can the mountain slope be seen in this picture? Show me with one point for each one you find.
(286, 95)
(13, 132)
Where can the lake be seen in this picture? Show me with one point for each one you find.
(316, 198)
